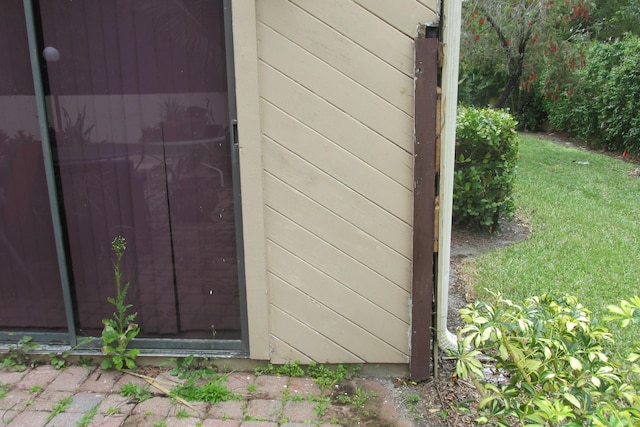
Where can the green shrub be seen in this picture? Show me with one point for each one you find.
(602, 100)
(554, 362)
(486, 154)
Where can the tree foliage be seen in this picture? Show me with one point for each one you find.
(511, 41)
(614, 18)
(600, 102)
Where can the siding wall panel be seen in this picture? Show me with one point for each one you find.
(338, 265)
(337, 197)
(324, 290)
(364, 28)
(328, 45)
(394, 161)
(337, 162)
(336, 231)
(336, 88)
(328, 323)
(404, 15)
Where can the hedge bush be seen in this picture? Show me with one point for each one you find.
(486, 154)
(602, 105)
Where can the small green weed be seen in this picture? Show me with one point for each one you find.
(35, 389)
(192, 367)
(291, 369)
(358, 399)
(322, 404)
(182, 414)
(213, 391)
(88, 417)
(324, 375)
(62, 405)
(18, 358)
(161, 423)
(119, 331)
(85, 361)
(4, 390)
(59, 359)
(251, 387)
(413, 400)
(113, 411)
(136, 391)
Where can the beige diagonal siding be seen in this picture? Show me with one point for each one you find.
(336, 105)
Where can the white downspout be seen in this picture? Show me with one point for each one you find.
(451, 24)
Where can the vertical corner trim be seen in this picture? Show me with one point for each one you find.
(425, 127)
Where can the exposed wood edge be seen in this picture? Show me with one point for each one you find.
(426, 74)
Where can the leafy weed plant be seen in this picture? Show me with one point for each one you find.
(119, 331)
(182, 414)
(4, 390)
(18, 358)
(324, 375)
(192, 367)
(213, 391)
(62, 405)
(136, 391)
(88, 417)
(555, 361)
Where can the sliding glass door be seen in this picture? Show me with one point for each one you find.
(141, 133)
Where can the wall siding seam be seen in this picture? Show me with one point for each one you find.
(404, 63)
(349, 186)
(364, 331)
(377, 15)
(329, 277)
(408, 73)
(356, 156)
(334, 143)
(305, 326)
(272, 236)
(306, 94)
(302, 358)
(411, 33)
(338, 216)
(332, 67)
(355, 207)
(408, 149)
(337, 59)
(333, 96)
(430, 7)
(279, 211)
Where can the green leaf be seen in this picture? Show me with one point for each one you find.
(576, 365)
(572, 399)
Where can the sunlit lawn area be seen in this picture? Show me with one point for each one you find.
(586, 230)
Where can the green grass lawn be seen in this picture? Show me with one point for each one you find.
(586, 230)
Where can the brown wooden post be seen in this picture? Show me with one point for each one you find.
(426, 79)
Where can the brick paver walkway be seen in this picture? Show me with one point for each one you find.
(89, 396)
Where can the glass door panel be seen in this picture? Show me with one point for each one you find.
(138, 106)
(30, 288)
